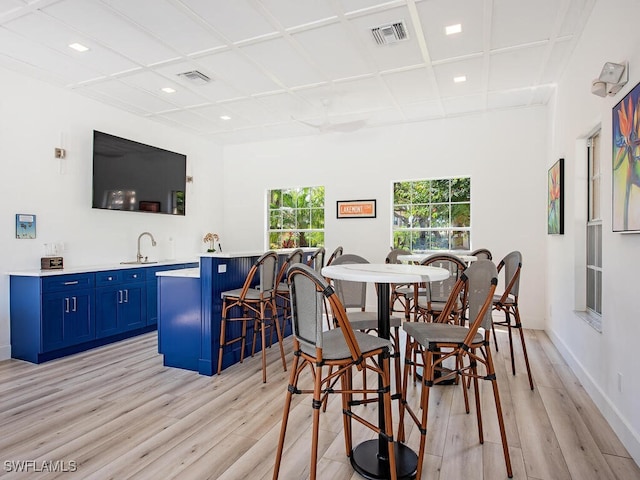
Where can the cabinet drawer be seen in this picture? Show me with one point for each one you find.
(114, 277)
(60, 283)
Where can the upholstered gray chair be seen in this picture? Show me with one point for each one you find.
(482, 254)
(507, 303)
(282, 287)
(335, 254)
(353, 296)
(251, 304)
(316, 259)
(330, 356)
(468, 348)
(436, 294)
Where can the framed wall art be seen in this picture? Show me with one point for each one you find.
(555, 199)
(356, 209)
(625, 190)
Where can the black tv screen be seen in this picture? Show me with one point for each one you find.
(132, 176)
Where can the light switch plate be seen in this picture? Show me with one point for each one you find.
(222, 268)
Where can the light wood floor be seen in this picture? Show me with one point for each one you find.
(116, 412)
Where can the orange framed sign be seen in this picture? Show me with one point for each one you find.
(356, 209)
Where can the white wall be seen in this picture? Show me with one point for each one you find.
(36, 118)
(504, 153)
(610, 35)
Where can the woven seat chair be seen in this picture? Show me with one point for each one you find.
(335, 254)
(282, 287)
(468, 347)
(330, 356)
(353, 296)
(482, 254)
(401, 294)
(253, 304)
(430, 305)
(507, 303)
(316, 259)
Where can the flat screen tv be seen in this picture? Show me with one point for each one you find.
(135, 177)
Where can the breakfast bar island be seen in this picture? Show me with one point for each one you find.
(190, 308)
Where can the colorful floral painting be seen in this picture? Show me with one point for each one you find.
(555, 200)
(626, 163)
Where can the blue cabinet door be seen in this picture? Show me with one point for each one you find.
(120, 308)
(66, 319)
(107, 301)
(132, 310)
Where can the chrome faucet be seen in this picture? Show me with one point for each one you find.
(153, 244)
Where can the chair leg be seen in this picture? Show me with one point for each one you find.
(223, 324)
(279, 334)
(317, 400)
(509, 327)
(427, 381)
(524, 346)
(386, 400)
(496, 395)
(408, 355)
(293, 385)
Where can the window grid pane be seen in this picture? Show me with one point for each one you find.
(594, 228)
(433, 214)
(296, 217)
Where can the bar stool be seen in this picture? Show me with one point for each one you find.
(253, 303)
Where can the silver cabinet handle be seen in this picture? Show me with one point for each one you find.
(72, 283)
(66, 305)
(119, 296)
(126, 296)
(75, 304)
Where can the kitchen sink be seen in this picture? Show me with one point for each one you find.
(141, 262)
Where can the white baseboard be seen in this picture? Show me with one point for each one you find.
(5, 352)
(627, 435)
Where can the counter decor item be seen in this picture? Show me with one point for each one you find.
(211, 239)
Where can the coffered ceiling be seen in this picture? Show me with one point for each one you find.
(282, 68)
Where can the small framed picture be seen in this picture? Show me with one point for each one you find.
(25, 226)
(356, 209)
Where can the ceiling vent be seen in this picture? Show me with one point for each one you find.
(391, 33)
(195, 76)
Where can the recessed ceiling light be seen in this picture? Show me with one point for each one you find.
(451, 29)
(225, 117)
(168, 90)
(78, 47)
(460, 79)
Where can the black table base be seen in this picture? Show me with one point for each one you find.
(367, 462)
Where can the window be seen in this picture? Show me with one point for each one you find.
(594, 227)
(432, 214)
(296, 217)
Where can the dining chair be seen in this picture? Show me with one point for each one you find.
(335, 254)
(251, 304)
(482, 254)
(429, 304)
(282, 287)
(330, 356)
(469, 348)
(353, 296)
(400, 293)
(507, 303)
(316, 259)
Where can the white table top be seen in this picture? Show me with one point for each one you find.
(419, 257)
(385, 273)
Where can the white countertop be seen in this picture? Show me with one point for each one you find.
(419, 257)
(181, 273)
(254, 253)
(97, 268)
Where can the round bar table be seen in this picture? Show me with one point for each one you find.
(370, 458)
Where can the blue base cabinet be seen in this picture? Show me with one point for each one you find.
(54, 315)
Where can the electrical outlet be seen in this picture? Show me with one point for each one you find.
(222, 268)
